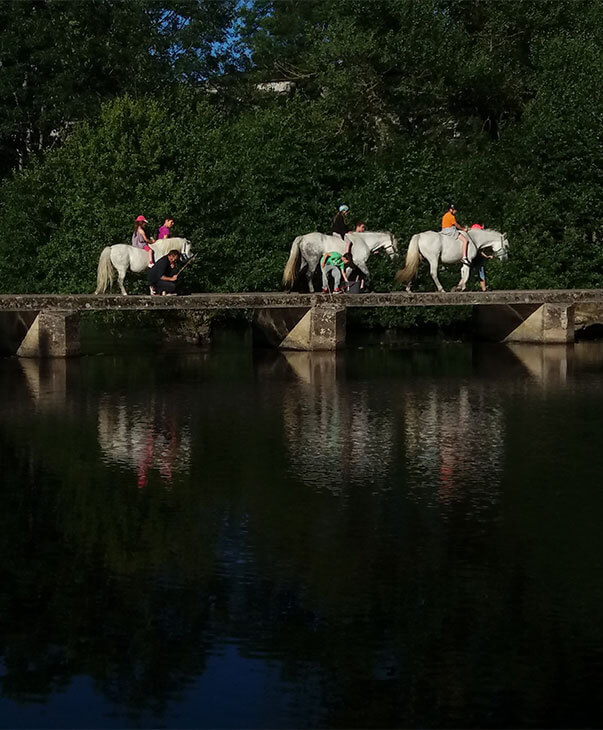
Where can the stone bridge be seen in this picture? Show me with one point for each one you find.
(50, 323)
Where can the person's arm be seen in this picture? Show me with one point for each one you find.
(343, 273)
(144, 235)
(323, 261)
(460, 227)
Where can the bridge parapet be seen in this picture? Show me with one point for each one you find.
(264, 300)
(307, 321)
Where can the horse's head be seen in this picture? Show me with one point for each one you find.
(380, 241)
(186, 250)
(500, 247)
(391, 247)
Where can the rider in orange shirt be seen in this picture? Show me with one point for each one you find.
(451, 228)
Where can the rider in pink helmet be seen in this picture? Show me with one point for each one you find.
(140, 239)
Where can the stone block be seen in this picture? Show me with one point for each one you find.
(52, 334)
(541, 323)
(317, 328)
(327, 328)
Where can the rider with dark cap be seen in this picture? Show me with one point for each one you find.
(340, 226)
(340, 223)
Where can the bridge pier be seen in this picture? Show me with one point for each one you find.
(297, 328)
(540, 323)
(52, 334)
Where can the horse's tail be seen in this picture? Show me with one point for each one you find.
(105, 271)
(411, 264)
(291, 266)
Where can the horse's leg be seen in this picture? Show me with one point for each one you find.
(433, 270)
(363, 267)
(465, 271)
(309, 275)
(311, 268)
(121, 275)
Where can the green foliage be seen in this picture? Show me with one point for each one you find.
(398, 107)
(61, 58)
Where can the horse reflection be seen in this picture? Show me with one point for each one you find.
(454, 442)
(143, 436)
(335, 433)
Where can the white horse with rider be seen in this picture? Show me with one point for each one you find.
(123, 257)
(311, 247)
(438, 248)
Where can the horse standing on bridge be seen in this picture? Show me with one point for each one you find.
(122, 256)
(311, 247)
(439, 247)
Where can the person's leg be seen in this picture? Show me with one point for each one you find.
(464, 244)
(336, 277)
(149, 250)
(165, 287)
(325, 278)
(482, 278)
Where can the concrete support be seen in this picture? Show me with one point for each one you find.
(317, 328)
(541, 323)
(52, 334)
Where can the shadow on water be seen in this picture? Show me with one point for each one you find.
(382, 537)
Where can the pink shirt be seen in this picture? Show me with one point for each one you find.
(164, 232)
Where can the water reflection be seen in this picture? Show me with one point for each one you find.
(146, 436)
(46, 380)
(335, 433)
(382, 538)
(454, 438)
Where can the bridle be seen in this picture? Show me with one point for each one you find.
(502, 251)
(388, 247)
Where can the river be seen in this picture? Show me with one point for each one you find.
(390, 537)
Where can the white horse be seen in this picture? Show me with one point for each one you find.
(122, 256)
(312, 246)
(439, 247)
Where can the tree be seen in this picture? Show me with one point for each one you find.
(60, 59)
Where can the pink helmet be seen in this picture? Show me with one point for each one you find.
(141, 219)
(477, 226)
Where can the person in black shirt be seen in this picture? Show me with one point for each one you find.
(163, 276)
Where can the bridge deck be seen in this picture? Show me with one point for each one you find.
(90, 302)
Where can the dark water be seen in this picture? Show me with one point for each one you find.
(388, 538)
